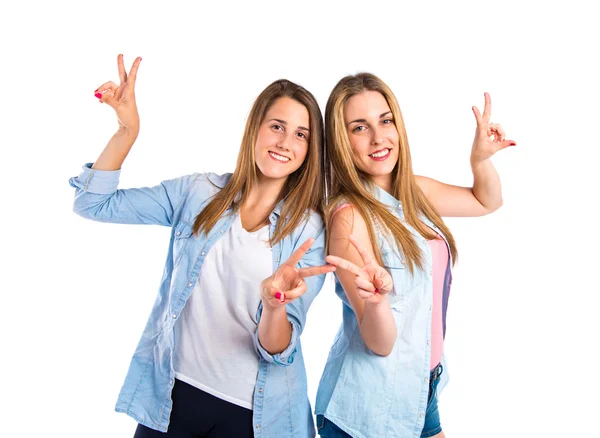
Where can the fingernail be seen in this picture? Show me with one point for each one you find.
(278, 295)
(98, 95)
(283, 298)
(376, 290)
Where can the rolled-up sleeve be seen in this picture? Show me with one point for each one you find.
(101, 182)
(97, 198)
(286, 357)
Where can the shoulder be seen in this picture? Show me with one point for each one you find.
(346, 219)
(204, 184)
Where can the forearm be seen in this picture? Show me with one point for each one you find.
(378, 327)
(115, 152)
(274, 329)
(486, 185)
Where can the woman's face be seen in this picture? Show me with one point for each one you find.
(283, 136)
(373, 134)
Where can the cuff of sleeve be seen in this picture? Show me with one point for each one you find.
(102, 182)
(286, 357)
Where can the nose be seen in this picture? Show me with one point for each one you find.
(282, 142)
(376, 137)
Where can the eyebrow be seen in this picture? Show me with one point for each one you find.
(283, 122)
(365, 120)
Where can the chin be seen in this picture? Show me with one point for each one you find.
(274, 173)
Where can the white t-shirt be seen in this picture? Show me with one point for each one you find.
(214, 350)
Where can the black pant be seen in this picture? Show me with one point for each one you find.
(197, 414)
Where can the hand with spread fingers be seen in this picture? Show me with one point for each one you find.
(489, 137)
(287, 282)
(121, 97)
(372, 281)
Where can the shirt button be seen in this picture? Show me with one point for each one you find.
(258, 426)
(174, 315)
(170, 382)
(428, 342)
(260, 390)
(203, 253)
(421, 415)
(277, 260)
(178, 233)
(222, 231)
(190, 284)
(426, 379)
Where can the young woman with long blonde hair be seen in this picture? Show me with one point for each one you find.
(220, 355)
(394, 256)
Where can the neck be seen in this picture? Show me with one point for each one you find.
(261, 201)
(265, 193)
(384, 182)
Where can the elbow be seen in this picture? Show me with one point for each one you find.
(383, 352)
(492, 208)
(383, 349)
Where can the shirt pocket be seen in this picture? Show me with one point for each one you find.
(182, 235)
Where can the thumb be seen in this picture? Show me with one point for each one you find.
(108, 97)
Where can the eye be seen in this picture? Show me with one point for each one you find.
(388, 121)
(277, 127)
(359, 128)
(302, 135)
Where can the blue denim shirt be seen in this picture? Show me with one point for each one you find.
(368, 395)
(281, 407)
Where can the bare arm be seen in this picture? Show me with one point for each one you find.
(486, 194)
(366, 289)
(122, 99)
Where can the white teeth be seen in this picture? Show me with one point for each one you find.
(279, 157)
(380, 154)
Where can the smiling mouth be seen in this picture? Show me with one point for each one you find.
(280, 158)
(380, 153)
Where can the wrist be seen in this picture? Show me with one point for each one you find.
(270, 308)
(128, 133)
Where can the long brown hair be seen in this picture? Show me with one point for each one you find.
(347, 183)
(303, 189)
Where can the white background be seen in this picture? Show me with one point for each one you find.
(522, 325)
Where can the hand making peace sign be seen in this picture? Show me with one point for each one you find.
(372, 281)
(489, 137)
(287, 282)
(121, 97)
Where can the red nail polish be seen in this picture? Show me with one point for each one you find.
(278, 295)
(98, 95)
(376, 290)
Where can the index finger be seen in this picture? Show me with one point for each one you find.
(315, 270)
(122, 72)
(364, 254)
(487, 109)
(299, 253)
(133, 71)
(343, 264)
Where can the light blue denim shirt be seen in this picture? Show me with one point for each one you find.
(368, 395)
(281, 407)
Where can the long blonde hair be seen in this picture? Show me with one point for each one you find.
(303, 189)
(346, 183)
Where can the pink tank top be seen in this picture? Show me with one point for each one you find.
(440, 258)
